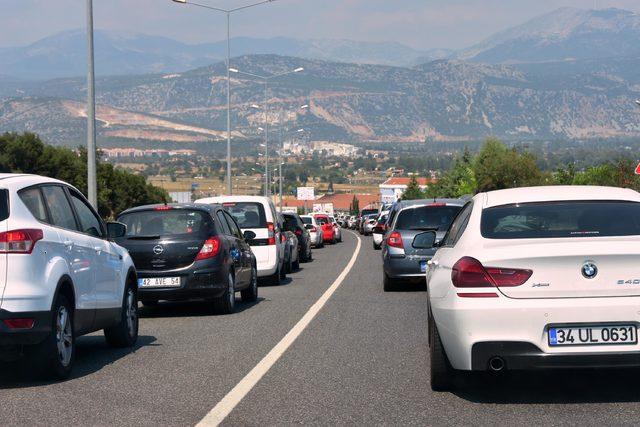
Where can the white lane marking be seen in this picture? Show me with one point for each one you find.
(235, 396)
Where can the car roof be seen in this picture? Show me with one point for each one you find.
(557, 193)
(193, 206)
(25, 180)
(225, 199)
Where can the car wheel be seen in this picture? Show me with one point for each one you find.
(125, 332)
(296, 265)
(388, 283)
(289, 265)
(226, 303)
(283, 270)
(275, 278)
(251, 293)
(59, 348)
(441, 372)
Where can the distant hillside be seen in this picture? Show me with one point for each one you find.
(64, 54)
(564, 34)
(438, 101)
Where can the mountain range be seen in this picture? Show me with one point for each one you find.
(571, 74)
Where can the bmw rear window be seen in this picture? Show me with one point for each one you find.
(164, 223)
(561, 219)
(427, 218)
(247, 214)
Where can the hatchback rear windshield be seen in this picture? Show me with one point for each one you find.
(247, 214)
(427, 218)
(306, 220)
(173, 222)
(561, 219)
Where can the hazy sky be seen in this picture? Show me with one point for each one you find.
(422, 24)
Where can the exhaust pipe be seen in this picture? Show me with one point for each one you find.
(496, 364)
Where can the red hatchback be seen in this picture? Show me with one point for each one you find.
(326, 226)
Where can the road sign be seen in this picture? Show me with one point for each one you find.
(306, 193)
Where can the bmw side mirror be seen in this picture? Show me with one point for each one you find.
(115, 230)
(426, 240)
(249, 235)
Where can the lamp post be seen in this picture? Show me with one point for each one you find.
(92, 185)
(281, 163)
(228, 13)
(265, 81)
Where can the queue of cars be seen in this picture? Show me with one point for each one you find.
(64, 272)
(522, 279)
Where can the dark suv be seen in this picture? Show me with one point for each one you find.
(189, 251)
(293, 222)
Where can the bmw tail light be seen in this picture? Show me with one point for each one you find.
(23, 323)
(19, 241)
(272, 234)
(395, 240)
(210, 249)
(470, 273)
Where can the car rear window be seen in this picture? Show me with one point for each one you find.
(366, 212)
(306, 220)
(290, 222)
(561, 219)
(427, 218)
(172, 222)
(247, 214)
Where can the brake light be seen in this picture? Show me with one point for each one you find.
(395, 240)
(298, 232)
(283, 238)
(163, 208)
(26, 323)
(470, 273)
(272, 234)
(19, 241)
(210, 249)
(313, 230)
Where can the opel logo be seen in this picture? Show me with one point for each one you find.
(589, 270)
(158, 249)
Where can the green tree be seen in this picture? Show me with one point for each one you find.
(413, 190)
(355, 206)
(459, 181)
(498, 166)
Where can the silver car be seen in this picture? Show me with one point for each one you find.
(408, 220)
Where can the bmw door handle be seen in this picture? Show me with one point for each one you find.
(98, 249)
(68, 244)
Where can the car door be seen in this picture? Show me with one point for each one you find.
(245, 259)
(78, 252)
(230, 246)
(108, 266)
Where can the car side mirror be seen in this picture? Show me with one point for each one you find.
(249, 235)
(308, 226)
(426, 240)
(115, 230)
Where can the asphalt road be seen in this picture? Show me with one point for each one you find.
(362, 360)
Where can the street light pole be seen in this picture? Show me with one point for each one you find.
(92, 186)
(228, 12)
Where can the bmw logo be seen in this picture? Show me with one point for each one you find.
(158, 249)
(589, 270)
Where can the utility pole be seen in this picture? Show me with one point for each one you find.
(92, 186)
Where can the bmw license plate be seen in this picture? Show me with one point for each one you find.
(593, 335)
(423, 266)
(159, 282)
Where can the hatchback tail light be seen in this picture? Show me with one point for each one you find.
(313, 229)
(19, 241)
(272, 234)
(210, 249)
(298, 232)
(395, 240)
(470, 273)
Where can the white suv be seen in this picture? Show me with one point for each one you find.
(60, 275)
(258, 214)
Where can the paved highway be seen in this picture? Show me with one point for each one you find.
(361, 360)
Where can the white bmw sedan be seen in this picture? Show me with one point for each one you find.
(536, 278)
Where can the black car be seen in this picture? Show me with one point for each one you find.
(189, 251)
(293, 222)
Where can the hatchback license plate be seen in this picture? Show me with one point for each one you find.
(593, 335)
(159, 282)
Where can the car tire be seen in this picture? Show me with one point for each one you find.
(59, 348)
(125, 332)
(376, 247)
(276, 278)
(226, 304)
(289, 266)
(296, 265)
(251, 293)
(440, 370)
(388, 284)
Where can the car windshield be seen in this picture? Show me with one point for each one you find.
(427, 218)
(247, 214)
(561, 219)
(172, 222)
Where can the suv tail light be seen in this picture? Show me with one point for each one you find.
(470, 273)
(395, 240)
(210, 249)
(298, 232)
(272, 234)
(19, 241)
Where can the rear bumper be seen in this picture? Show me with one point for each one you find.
(406, 267)
(526, 356)
(195, 284)
(266, 259)
(37, 334)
